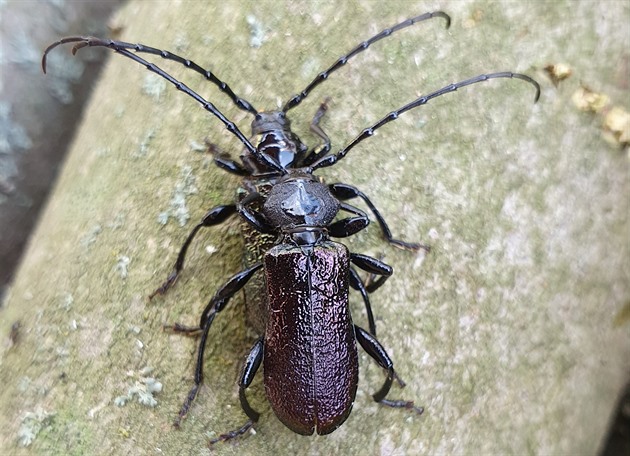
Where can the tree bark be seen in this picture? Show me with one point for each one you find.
(510, 332)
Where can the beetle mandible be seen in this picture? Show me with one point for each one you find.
(288, 216)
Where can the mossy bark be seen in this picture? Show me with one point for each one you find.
(507, 332)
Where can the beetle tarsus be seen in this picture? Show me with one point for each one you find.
(192, 394)
(168, 283)
(179, 328)
(411, 246)
(402, 404)
(233, 434)
(399, 380)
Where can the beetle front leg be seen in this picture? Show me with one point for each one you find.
(344, 192)
(254, 218)
(223, 161)
(351, 225)
(378, 353)
(214, 216)
(216, 305)
(323, 149)
(247, 376)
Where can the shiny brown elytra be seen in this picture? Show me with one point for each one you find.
(302, 278)
(308, 290)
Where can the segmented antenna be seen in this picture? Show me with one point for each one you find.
(330, 160)
(341, 61)
(117, 46)
(208, 106)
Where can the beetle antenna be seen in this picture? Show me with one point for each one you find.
(341, 61)
(118, 46)
(208, 106)
(330, 160)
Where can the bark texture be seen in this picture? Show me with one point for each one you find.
(511, 332)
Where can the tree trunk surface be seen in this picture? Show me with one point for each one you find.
(513, 332)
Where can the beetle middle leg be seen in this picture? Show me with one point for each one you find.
(378, 353)
(214, 216)
(216, 305)
(344, 192)
(373, 266)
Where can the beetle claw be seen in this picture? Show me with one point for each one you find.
(232, 434)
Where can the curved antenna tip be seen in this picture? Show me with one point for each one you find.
(444, 16)
(537, 97)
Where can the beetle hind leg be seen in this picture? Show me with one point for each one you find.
(216, 305)
(378, 353)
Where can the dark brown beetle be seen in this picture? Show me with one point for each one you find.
(308, 343)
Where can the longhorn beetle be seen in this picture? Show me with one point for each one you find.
(308, 340)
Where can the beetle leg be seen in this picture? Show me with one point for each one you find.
(378, 353)
(214, 216)
(254, 218)
(348, 226)
(372, 284)
(356, 283)
(374, 267)
(252, 363)
(223, 161)
(324, 148)
(344, 192)
(216, 304)
(231, 166)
